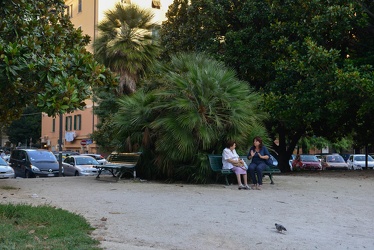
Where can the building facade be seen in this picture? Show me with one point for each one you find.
(78, 126)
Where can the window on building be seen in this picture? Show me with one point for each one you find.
(68, 123)
(77, 122)
(156, 4)
(53, 125)
(79, 6)
(69, 10)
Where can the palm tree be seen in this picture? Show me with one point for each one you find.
(197, 107)
(126, 44)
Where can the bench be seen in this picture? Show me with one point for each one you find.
(119, 164)
(215, 162)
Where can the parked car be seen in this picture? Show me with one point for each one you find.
(99, 158)
(358, 162)
(64, 154)
(306, 162)
(292, 157)
(34, 163)
(80, 165)
(6, 171)
(333, 161)
(6, 158)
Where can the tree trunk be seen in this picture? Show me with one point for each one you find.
(285, 148)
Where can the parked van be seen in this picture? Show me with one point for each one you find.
(31, 163)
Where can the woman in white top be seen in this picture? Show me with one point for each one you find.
(231, 160)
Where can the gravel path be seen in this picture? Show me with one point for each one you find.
(320, 211)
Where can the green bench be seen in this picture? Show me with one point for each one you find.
(119, 164)
(215, 162)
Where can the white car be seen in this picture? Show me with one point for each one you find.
(6, 171)
(358, 162)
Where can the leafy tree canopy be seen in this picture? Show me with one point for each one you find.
(126, 44)
(26, 127)
(43, 59)
(310, 58)
(197, 105)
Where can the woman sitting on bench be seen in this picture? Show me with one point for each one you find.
(259, 155)
(231, 160)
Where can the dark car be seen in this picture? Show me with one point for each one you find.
(65, 154)
(34, 163)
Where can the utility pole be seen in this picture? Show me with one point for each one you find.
(60, 148)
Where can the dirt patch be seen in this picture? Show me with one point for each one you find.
(320, 210)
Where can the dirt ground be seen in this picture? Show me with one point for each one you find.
(321, 210)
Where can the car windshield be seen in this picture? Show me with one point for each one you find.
(41, 156)
(2, 162)
(334, 158)
(362, 158)
(86, 161)
(309, 158)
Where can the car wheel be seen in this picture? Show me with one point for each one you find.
(28, 174)
(76, 173)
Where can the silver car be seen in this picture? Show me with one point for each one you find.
(358, 162)
(80, 165)
(6, 171)
(333, 161)
(100, 159)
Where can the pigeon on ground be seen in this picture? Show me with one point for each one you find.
(280, 228)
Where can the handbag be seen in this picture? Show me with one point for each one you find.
(269, 161)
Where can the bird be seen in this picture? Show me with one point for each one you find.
(280, 228)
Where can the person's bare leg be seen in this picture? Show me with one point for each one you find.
(245, 180)
(239, 180)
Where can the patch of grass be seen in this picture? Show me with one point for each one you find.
(43, 227)
(7, 187)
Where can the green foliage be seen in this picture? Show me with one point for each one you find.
(125, 43)
(43, 59)
(296, 52)
(195, 26)
(43, 227)
(28, 126)
(197, 107)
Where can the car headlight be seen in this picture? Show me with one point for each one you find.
(35, 169)
(9, 170)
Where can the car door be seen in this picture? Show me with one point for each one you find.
(350, 161)
(324, 162)
(68, 166)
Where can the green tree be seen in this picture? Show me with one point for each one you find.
(197, 106)
(43, 59)
(125, 43)
(305, 56)
(26, 127)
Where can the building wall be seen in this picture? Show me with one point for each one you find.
(87, 19)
